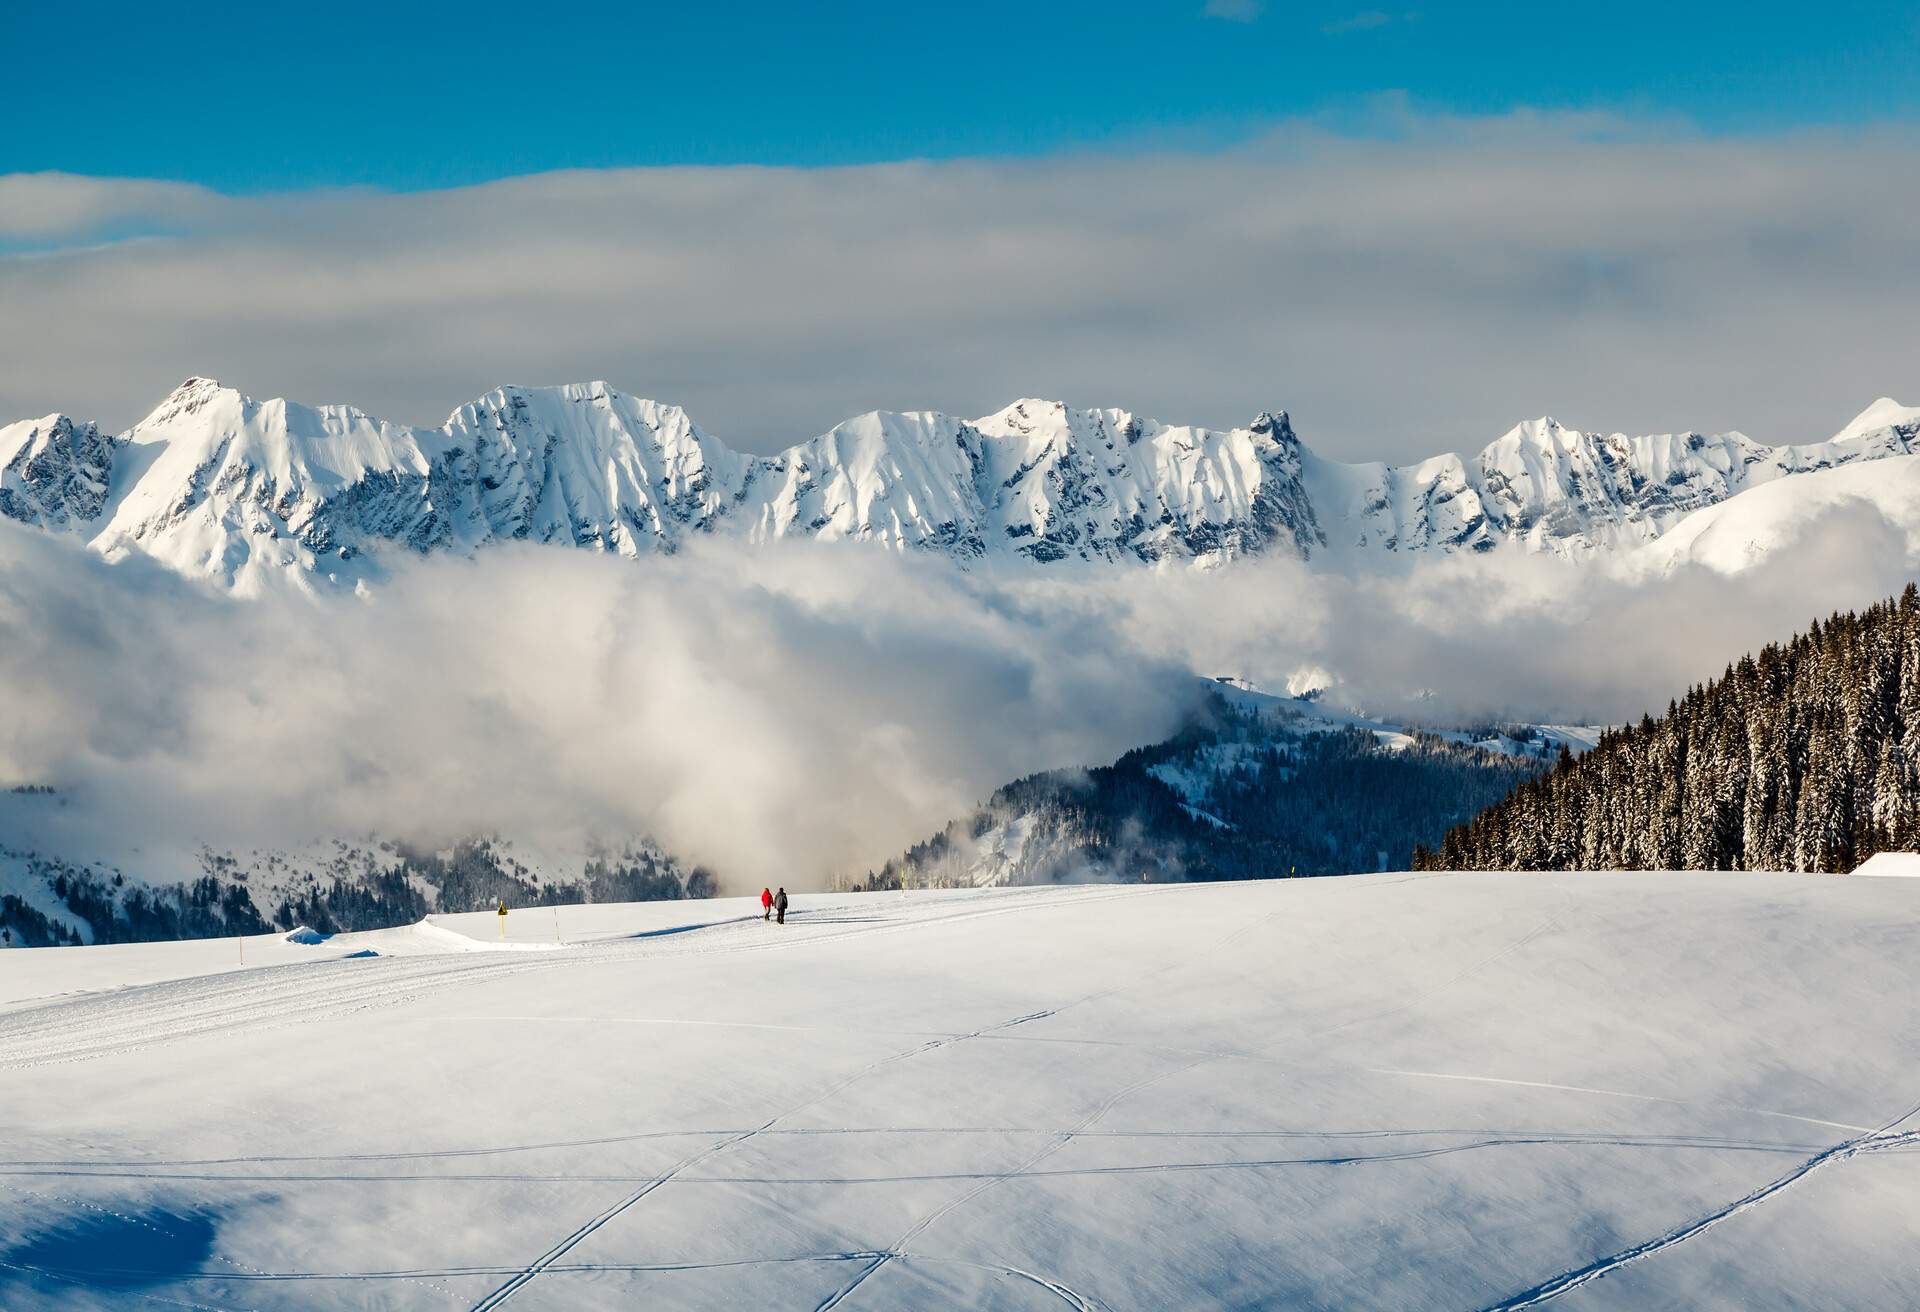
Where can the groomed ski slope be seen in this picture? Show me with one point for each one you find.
(1394, 1091)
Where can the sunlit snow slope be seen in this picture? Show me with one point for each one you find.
(1858, 500)
(1438, 1091)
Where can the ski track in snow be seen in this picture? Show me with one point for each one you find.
(520, 1280)
(1617, 1093)
(1024, 1172)
(899, 1246)
(546, 1260)
(1127, 1091)
(426, 1276)
(126, 1020)
(1880, 1140)
(527, 1274)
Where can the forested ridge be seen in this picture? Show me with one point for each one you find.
(1240, 796)
(1805, 756)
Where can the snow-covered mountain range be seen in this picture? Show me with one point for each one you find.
(248, 493)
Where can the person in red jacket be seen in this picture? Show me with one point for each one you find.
(766, 904)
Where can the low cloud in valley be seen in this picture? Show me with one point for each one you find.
(792, 712)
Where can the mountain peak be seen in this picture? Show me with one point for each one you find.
(545, 396)
(1883, 413)
(1544, 431)
(570, 391)
(193, 389)
(1277, 423)
(1029, 414)
(192, 396)
(54, 473)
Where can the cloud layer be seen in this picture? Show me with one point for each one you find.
(773, 714)
(789, 713)
(1417, 288)
(1468, 639)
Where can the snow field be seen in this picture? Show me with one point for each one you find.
(1434, 1091)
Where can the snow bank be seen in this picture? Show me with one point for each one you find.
(438, 938)
(1898, 865)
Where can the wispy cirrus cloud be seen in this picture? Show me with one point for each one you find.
(1235, 11)
(1364, 21)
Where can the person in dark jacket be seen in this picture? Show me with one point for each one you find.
(780, 906)
(766, 904)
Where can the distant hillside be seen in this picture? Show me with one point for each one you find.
(1262, 787)
(1805, 757)
(48, 896)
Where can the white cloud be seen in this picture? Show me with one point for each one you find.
(1472, 638)
(36, 206)
(778, 714)
(1416, 289)
(791, 712)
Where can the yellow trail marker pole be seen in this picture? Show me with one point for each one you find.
(556, 923)
(503, 920)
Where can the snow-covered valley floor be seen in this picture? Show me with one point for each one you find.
(1392, 1091)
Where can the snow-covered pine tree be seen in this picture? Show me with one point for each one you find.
(1803, 756)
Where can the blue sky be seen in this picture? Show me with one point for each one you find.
(265, 97)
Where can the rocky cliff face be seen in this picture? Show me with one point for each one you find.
(54, 473)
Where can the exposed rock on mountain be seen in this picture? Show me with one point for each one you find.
(1257, 787)
(54, 473)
